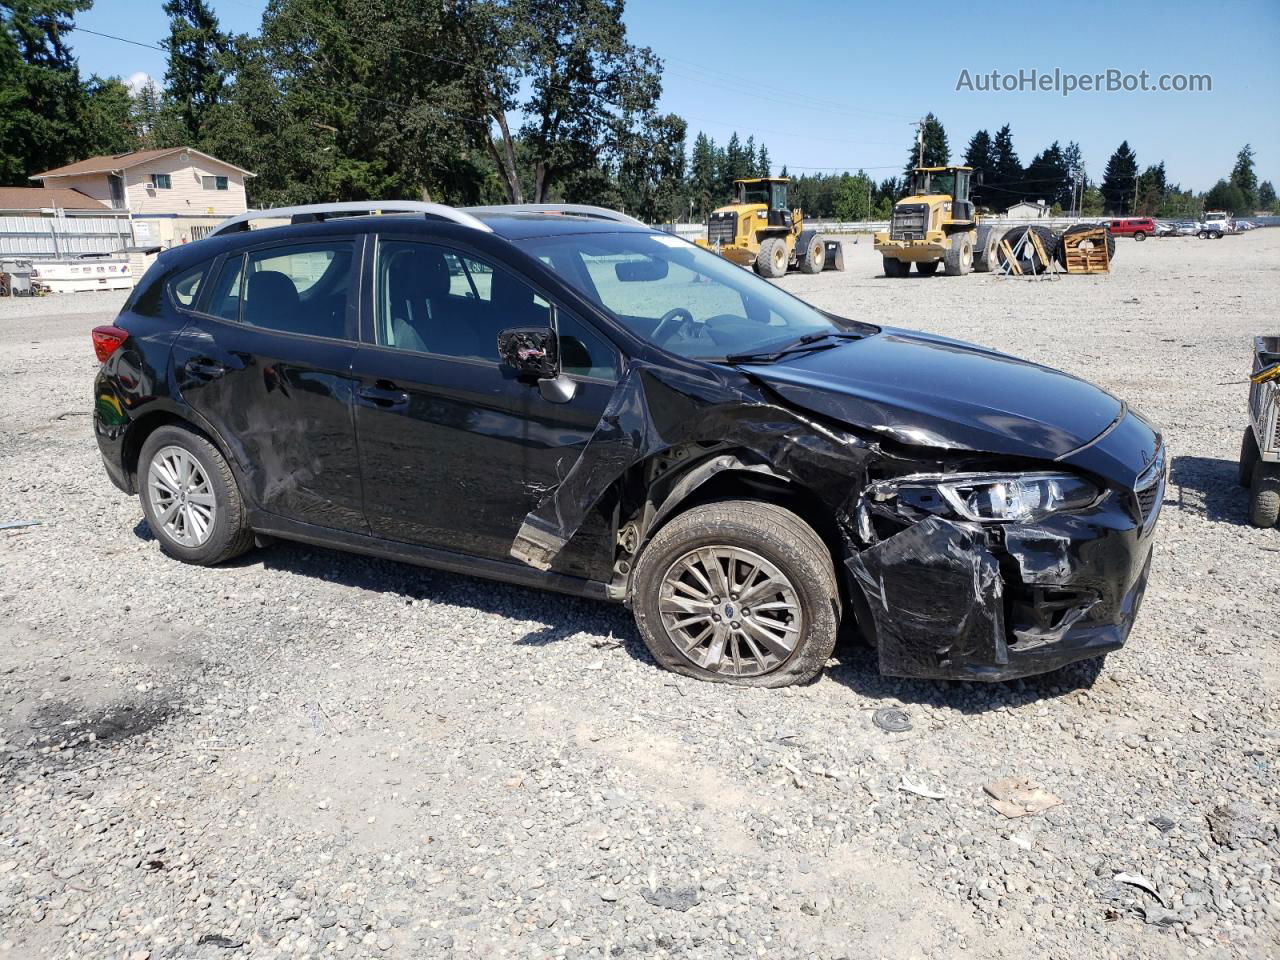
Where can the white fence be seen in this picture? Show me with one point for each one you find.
(61, 237)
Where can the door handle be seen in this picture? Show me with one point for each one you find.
(204, 368)
(383, 395)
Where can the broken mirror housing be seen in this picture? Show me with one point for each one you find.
(991, 498)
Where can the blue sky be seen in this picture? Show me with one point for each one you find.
(838, 87)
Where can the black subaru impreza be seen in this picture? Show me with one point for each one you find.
(567, 399)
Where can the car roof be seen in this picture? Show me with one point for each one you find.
(522, 226)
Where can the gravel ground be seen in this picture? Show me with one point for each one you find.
(305, 753)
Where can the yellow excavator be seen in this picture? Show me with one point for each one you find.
(758, 230)
(935, 225)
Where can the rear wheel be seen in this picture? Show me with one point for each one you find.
(771, 259)
(190, 498)
(958, 260)
(927, 269)
(894, 267)
(1203, 235)
(1139, 235)
(1249, 455)
(738, 592)
(1264, 496)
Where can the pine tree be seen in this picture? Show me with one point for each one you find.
(936, 152)
(1004, 185)
(762, 162)
(197, 72)
(981, 156)
(1047, 178)
(1266, 196)
(1119, 180)
(1152, 187)
(702, 174)
(1243, 177)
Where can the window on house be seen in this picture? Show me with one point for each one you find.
(214, 183)
(161, 181)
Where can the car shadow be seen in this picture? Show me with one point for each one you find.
(555, 618)
(1209, 487)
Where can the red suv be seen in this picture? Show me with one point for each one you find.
(1137, 227)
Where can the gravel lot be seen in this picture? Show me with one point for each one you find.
(306, 753)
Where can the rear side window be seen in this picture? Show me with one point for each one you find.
(304, 288)
(185, 287)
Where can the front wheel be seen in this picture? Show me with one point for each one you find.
(1139, 235)
(894, 267)
(927, 269)
(958, 260)
(771, 259)
(190, 498)
(739, 592)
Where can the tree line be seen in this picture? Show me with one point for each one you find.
(479, 101)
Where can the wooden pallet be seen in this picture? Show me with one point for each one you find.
(1090, 257)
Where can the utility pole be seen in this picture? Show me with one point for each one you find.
(920, 143)
(1133, 207)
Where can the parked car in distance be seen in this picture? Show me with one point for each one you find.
(1187, 228)
(1166, 228)
(1137, 227)
(563, 398)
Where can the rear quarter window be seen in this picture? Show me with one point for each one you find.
(185, 286)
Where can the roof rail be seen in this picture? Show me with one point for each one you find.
(322, 211)
(567, 209)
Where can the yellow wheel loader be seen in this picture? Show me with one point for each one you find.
(757, 230)
(935, 225)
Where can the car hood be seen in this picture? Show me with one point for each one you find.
(933, 391)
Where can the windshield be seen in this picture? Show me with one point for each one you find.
(927, 183)
(685, 299)
(755, 193)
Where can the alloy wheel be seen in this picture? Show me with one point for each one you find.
(730, 611)
(181, 496)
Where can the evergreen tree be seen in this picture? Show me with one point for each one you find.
(763, 167)
(703, 183)
(749, 156)
(198, 63)
(1266, 196)
(1225, 195)
(107, 125)
(1244, 179)
(1119, 180)
(936, 152)
(42, 101)
(1047, 178)
(1152, 187)
(1004, 185)
(980, 154)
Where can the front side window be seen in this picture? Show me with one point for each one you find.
(214, 183)
(432, 299)
(303, 288)
(584, 352)
(684, 299)
(161, 181)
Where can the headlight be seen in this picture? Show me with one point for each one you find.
(990, 498)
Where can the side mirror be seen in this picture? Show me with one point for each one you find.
(530, 351)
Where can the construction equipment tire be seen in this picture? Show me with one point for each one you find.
(771, 260)
(811, 252)
(958, 259)
(894, 267)
(1061, 252)
(1028, 259)
(1264, 496)
(927, 269)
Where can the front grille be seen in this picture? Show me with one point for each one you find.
(1149, 490)
(910, 221)
(722, 227)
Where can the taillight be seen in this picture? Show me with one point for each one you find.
(106, 340)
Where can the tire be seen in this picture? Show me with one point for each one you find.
(228, 535)
(1215, 235)
(771, 258)
(1061, 251)
(927, 269)
(791, 553)
(811, 252)
(894, 267)
(1264, 496)
(1249, 455)
(1203, 235)
(1029, 260)
(958, 259)
(985, 256)
(1139, 236)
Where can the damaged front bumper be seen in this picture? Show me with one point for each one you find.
(954, 599)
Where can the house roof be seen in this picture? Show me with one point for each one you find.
(123, 161)
(42, 198)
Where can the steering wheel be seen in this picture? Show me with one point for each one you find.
(670, 323)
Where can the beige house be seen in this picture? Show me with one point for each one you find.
(173, 196)
(1026, 210)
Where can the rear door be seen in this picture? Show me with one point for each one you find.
(266, 361)
(455, 450)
